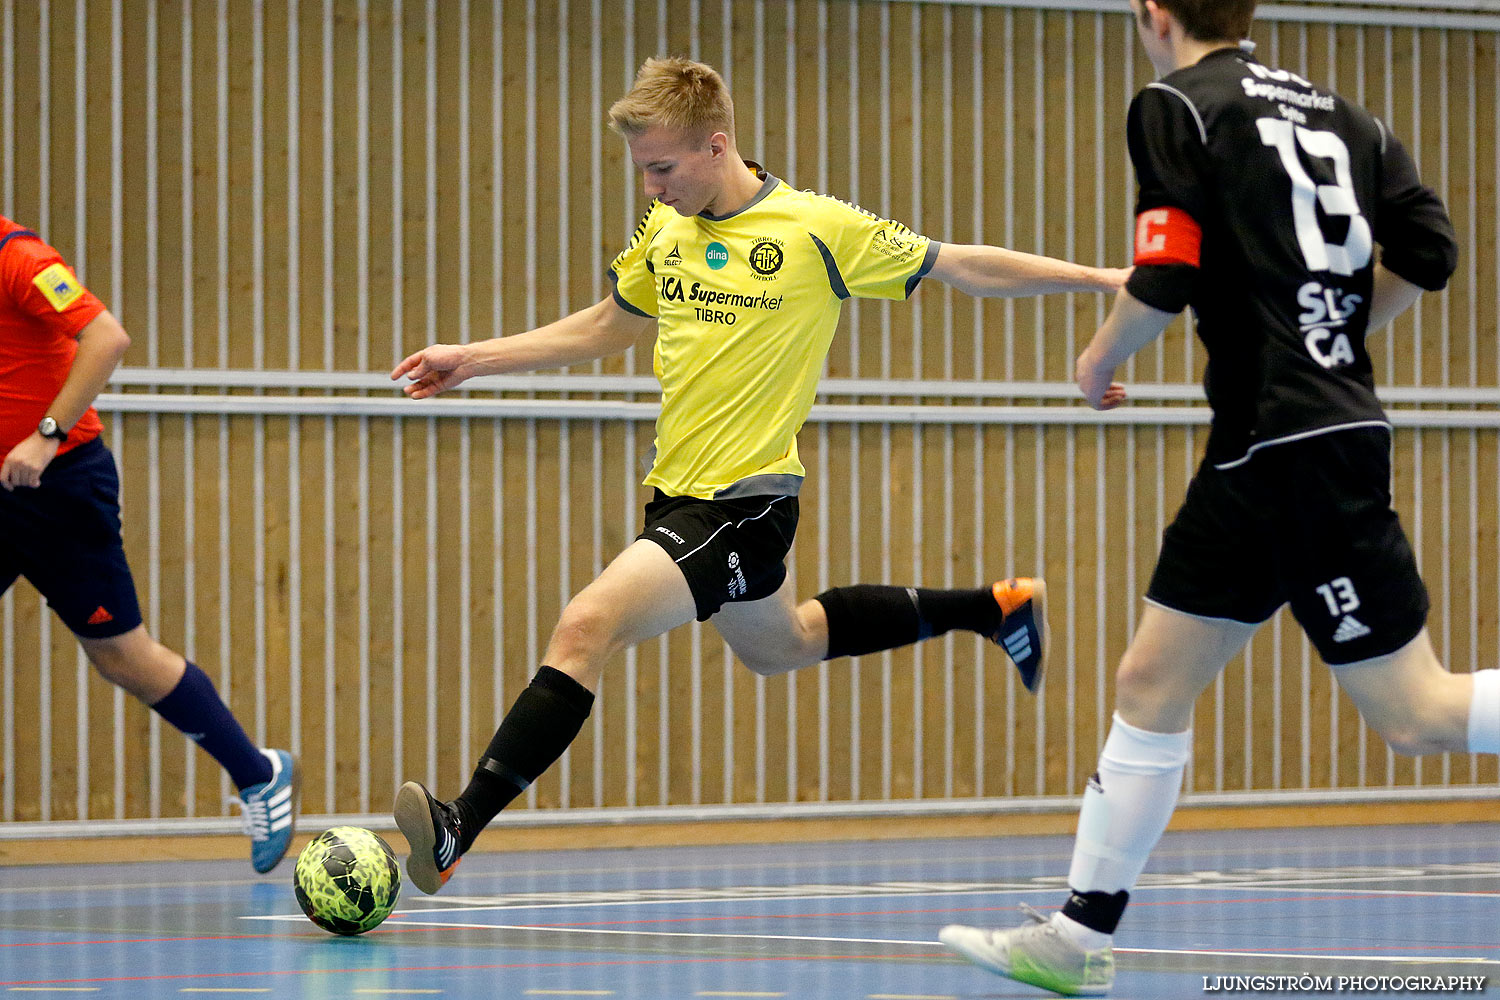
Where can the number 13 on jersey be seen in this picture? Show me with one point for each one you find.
(1307, 196)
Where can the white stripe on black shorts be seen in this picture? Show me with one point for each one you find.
(729, 549)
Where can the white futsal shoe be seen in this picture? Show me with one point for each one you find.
(1039, 952)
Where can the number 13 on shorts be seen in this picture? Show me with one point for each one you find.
(1339, 595)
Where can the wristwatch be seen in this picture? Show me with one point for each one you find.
(48, 429)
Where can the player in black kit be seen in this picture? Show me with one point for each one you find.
(1263, 198)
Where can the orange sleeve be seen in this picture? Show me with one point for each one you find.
(42, 287)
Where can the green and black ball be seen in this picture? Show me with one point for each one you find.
(347, 880)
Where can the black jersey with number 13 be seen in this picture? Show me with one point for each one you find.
(1263, 200)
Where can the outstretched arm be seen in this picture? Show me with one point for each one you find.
(596, 332)
(1130, 325)
(995, 272)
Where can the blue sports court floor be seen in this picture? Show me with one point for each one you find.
(820, 921)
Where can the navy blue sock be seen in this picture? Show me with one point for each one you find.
(196, 709)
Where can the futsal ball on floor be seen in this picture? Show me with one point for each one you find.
(347, 880)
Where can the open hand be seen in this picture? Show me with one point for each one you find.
(432, 370)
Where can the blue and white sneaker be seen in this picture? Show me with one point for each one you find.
(270, 811)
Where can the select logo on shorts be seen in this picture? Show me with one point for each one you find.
(59, 285)
(671, 534)
(765, 258)
(717, 255)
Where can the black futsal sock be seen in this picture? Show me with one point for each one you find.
(1098, 911)
(544, 720)
(867, 618)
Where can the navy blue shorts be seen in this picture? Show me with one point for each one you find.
(64, 537)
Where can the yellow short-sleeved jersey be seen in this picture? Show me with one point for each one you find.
(746, 306)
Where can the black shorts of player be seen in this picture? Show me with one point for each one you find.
(1307, 522)
(729, 550)
(64, 537)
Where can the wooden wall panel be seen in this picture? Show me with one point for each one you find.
(326, 185)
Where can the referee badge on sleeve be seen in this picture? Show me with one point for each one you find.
(59, 285)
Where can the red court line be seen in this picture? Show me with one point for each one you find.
(726, 960)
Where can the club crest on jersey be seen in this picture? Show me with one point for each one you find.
(766, 257)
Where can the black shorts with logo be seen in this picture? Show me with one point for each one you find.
(64, 537)
(729, 550)
(1307, 522)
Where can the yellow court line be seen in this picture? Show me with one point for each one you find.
(54, 989)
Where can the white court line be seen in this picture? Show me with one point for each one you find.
(997, 890)
(1393, 959)
(674, 934)
(1364, 892)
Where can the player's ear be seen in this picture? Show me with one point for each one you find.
(1156, 18)
(718, 145)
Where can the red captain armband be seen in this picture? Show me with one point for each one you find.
(1167, 236)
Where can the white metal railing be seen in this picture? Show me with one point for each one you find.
(272, 381)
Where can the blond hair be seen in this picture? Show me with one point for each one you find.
(676, 93)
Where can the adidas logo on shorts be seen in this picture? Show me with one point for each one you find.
(1349, 629)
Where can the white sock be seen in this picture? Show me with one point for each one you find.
(1126, 812)
(1484, 713)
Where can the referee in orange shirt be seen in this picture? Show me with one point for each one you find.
(60, 517)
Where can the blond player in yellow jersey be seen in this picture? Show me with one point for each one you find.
(744, 278)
